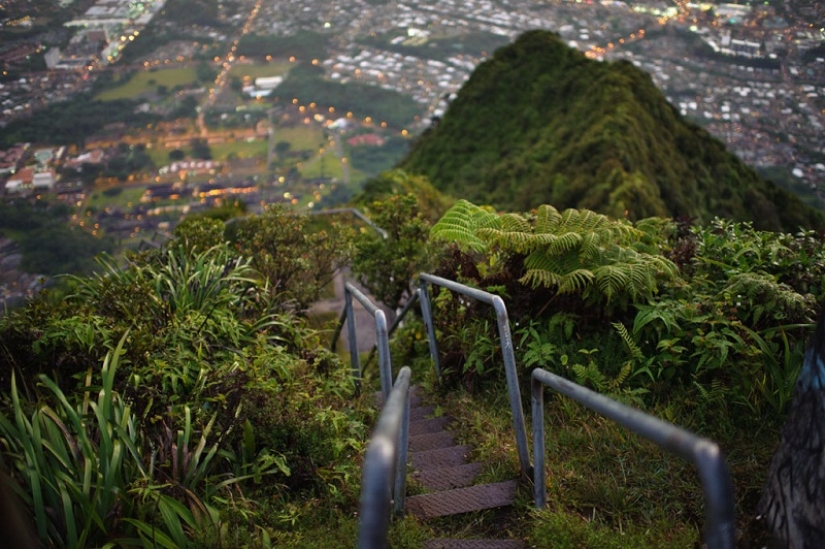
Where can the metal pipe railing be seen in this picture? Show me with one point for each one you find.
(381, 337)
(385, 466)
(703, 453)
(506, 351)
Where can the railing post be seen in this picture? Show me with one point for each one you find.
(355, 360)
(539, 481)
(513, 389)
(704, 454)
(383, 343)
(426, 312)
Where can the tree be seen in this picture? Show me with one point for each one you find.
(200, 149)
(296, 262)
(386, 266)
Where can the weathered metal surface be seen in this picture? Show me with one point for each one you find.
(463, 500)
(507, 352)
(443, 457)
(432, 441)
(426, 426)
(448, 478)
(384, 472)
(444, 543)
(421, 412)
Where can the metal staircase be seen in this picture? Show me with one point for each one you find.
(407, 429)
(443, 469)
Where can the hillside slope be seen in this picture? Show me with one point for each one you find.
(540, 123)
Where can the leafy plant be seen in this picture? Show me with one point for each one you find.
(573, 252)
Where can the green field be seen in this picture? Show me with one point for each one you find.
(241, 149)
(301, 137)
(124, 200)
(332, 166)
(144, 82)
(260, 70)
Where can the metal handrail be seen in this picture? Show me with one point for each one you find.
(506, 351)
(703, 453)
(385, 460)
(381, 337)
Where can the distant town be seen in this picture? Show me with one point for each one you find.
(209, 78)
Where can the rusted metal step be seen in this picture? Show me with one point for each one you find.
(421, 412)
(426, 426)
(444, 543)
(432, 441)
(463, 500)
(443, 457)
(447, 478)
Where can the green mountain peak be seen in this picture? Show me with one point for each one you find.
(541, 123)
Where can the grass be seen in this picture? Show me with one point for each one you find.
(331, 166)
(148, 81)
(607, 487)
(130, 194)
(301, 137)
(240, 148)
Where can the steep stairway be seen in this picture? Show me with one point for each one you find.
(442, 468)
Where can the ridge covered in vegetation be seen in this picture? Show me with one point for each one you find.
(182, 399)
(541, 123)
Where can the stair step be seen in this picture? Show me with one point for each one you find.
(443, 457)
(432, 441)
(425, 426)
(421, 412)
(444, 543)
(463, 500)
(447, 478)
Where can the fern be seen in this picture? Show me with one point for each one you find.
(635, 351)
(574, 252)
(460, 224)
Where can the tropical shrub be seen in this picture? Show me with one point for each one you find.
(213, 421)
(296, 261)
(571, 252)
(386, 266)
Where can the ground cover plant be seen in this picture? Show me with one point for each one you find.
(701, 325)
(181, 400)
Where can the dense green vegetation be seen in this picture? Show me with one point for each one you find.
(702, 325)
(373, 160)
(49, 245)
(586, 134)
(181, 400)
(237, 428)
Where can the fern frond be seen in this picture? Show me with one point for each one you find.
(460, 224)
(635, 351)
(576, 281)
(564, 243)
(611, 280)
(547, 219)
(539, 277)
